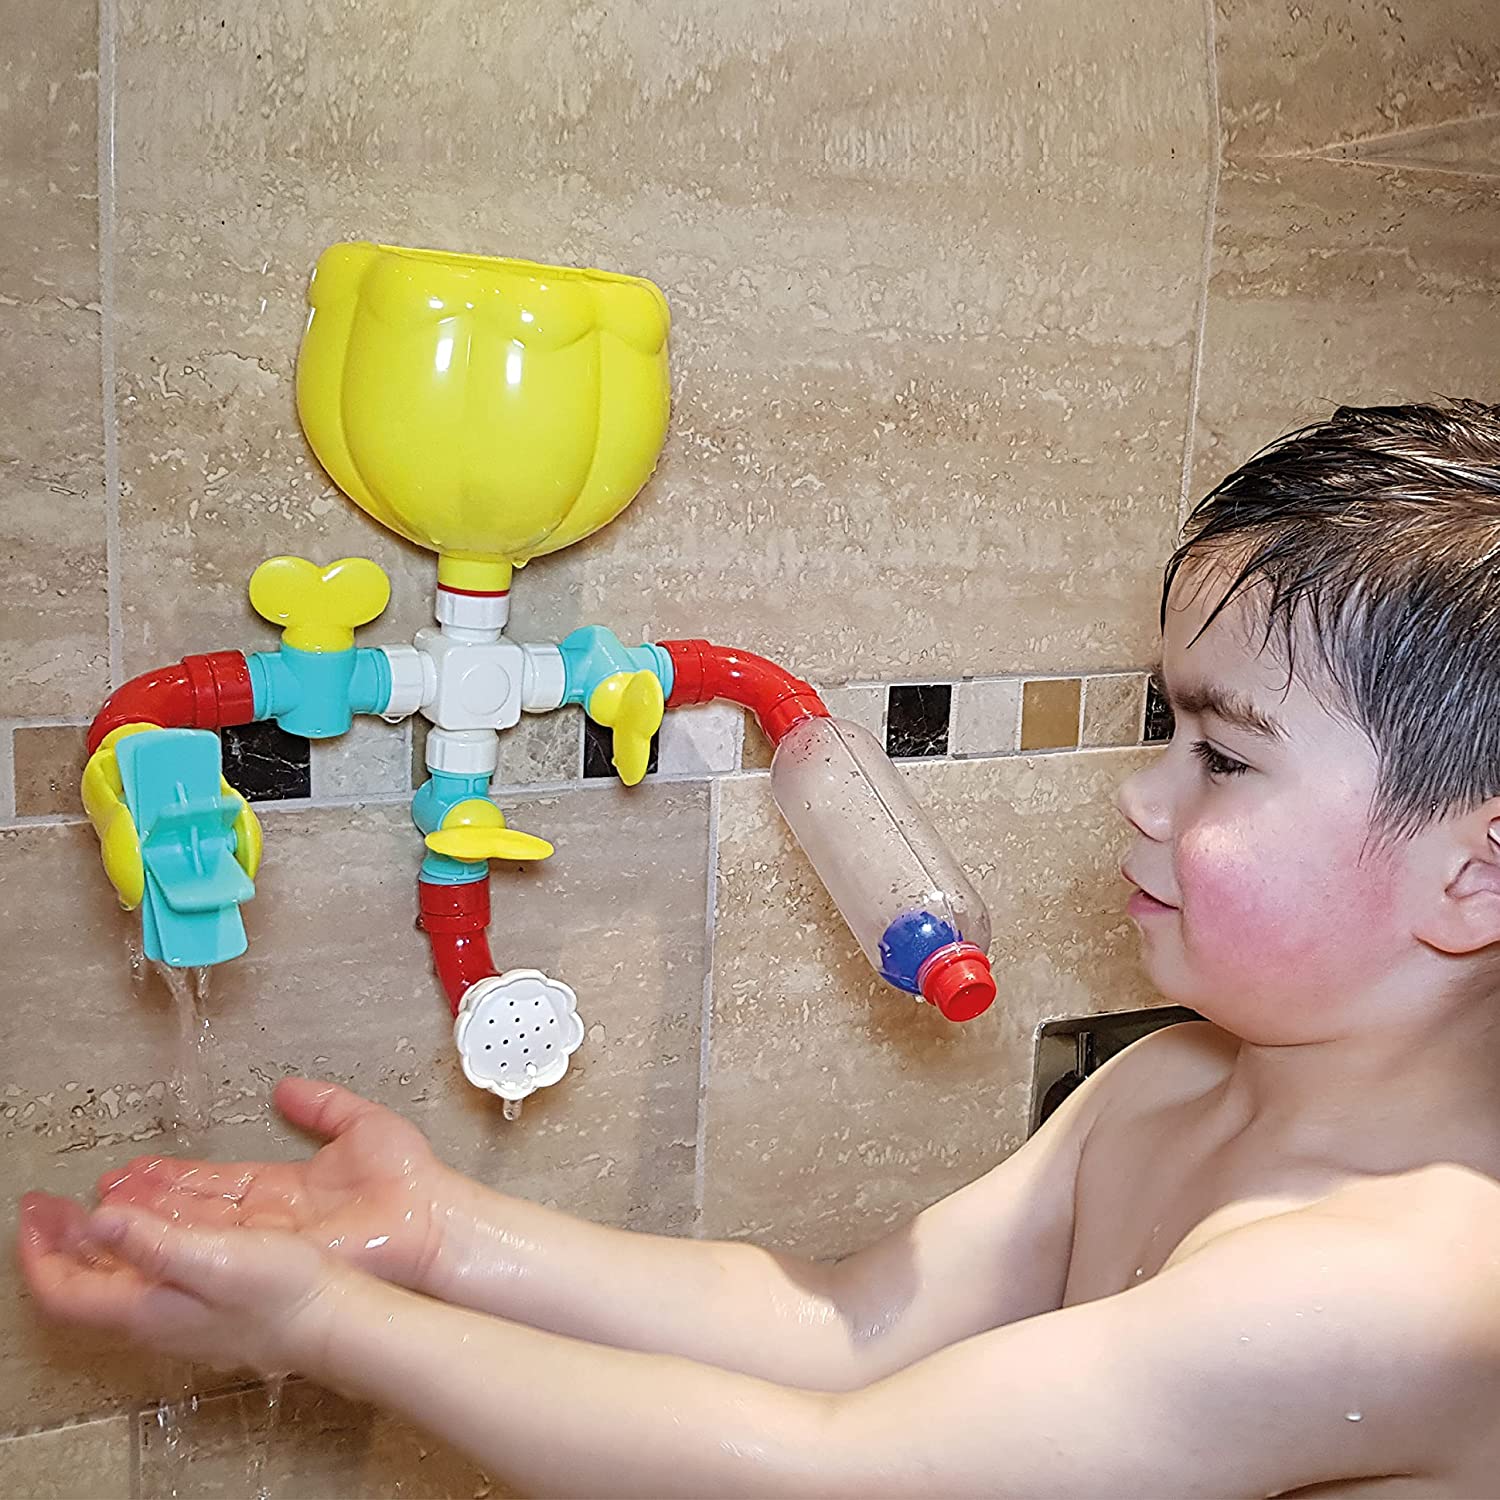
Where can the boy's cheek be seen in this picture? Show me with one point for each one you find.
(1307, 914)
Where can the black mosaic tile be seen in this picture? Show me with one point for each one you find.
(266, 764)
(1159, 718)
(597, 743)
(917, 719)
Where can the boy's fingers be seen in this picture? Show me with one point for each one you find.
(193, 1259)
(325, 1109)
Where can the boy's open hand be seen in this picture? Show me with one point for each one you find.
(230, 1298)
(374, 1196)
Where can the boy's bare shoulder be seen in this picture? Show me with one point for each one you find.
(1177, 1062)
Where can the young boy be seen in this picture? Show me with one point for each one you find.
(1250, 1257)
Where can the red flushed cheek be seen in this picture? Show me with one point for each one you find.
(1303, 909)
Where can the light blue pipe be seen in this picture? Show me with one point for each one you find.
(433, 802)
(317, 693)
(593, 653)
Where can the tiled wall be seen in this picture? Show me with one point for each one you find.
(968, 300)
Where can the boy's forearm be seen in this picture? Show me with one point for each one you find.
(555, 1416)
(737, 1306)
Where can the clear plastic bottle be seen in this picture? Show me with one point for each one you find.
(922, 926)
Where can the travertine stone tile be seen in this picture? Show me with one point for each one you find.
(931, 342)
(837, 1106)
(308, 1445)
(1050, 708)
(1292, 77)
(92, 1459)
(701, 741)
(1335, 284)
(1114, 708)
(372, 760)
(337, 983)
(54, 618)
(987, 717)
(49, 761)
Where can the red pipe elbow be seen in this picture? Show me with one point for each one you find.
(702, 671)
(456, 919)
(199, 692)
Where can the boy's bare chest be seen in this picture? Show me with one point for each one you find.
(1156, 1189)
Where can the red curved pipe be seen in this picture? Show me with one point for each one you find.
(199, 692)
(455, 919)
(702, 671)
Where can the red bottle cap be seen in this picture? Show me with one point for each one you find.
(958, 981)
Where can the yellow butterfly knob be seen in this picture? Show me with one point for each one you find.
(476, 830)
(319, 608)
(633, 705)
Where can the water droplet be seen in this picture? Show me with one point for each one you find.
(1354, 1416)
(1140, 1271)
(1244, 1338)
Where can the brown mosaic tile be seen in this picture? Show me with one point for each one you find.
(1049, 713)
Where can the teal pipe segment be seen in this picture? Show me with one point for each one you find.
(435, 799)
(317, 693)
(593, 653)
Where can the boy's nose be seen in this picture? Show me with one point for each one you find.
(1142, 806)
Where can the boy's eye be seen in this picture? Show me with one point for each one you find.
(1215, 762)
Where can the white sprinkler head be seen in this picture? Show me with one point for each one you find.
(516, 1031)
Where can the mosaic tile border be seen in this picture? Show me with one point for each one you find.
(965, 719)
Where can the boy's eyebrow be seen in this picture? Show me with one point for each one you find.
(1228, 707)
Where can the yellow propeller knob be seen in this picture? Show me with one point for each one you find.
(319, 608)
(632, 705)
(476, 830)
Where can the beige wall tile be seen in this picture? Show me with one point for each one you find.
(54, 622)
(337, 983)
(877, 356)
(1049, 713)
(309, 1446)
(68, 1463)
(1113, 709)
(1298, 76)
(836, 1105)
(49, 761)
(987, 717)
(373, 759)
(702, 740)
(1341, 284)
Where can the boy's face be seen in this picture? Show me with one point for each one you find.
(1261, 898)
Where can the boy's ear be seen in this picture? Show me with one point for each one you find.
(1468, 916)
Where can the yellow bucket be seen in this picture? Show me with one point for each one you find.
(489, 410)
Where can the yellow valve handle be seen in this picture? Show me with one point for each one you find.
(119, 842)
(319, 608)
(633, 705)
(476, 830)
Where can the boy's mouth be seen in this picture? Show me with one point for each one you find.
(1142, 903)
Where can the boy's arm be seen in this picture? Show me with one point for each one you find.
(1305, 1349)
(994, 1252)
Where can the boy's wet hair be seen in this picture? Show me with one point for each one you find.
(1375, 538)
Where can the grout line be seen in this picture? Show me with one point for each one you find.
(137, 1418)
(1210, 214)
(106, 93)
(7, 773)
(705, 1024)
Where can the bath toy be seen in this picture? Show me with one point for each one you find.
(492, 411)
